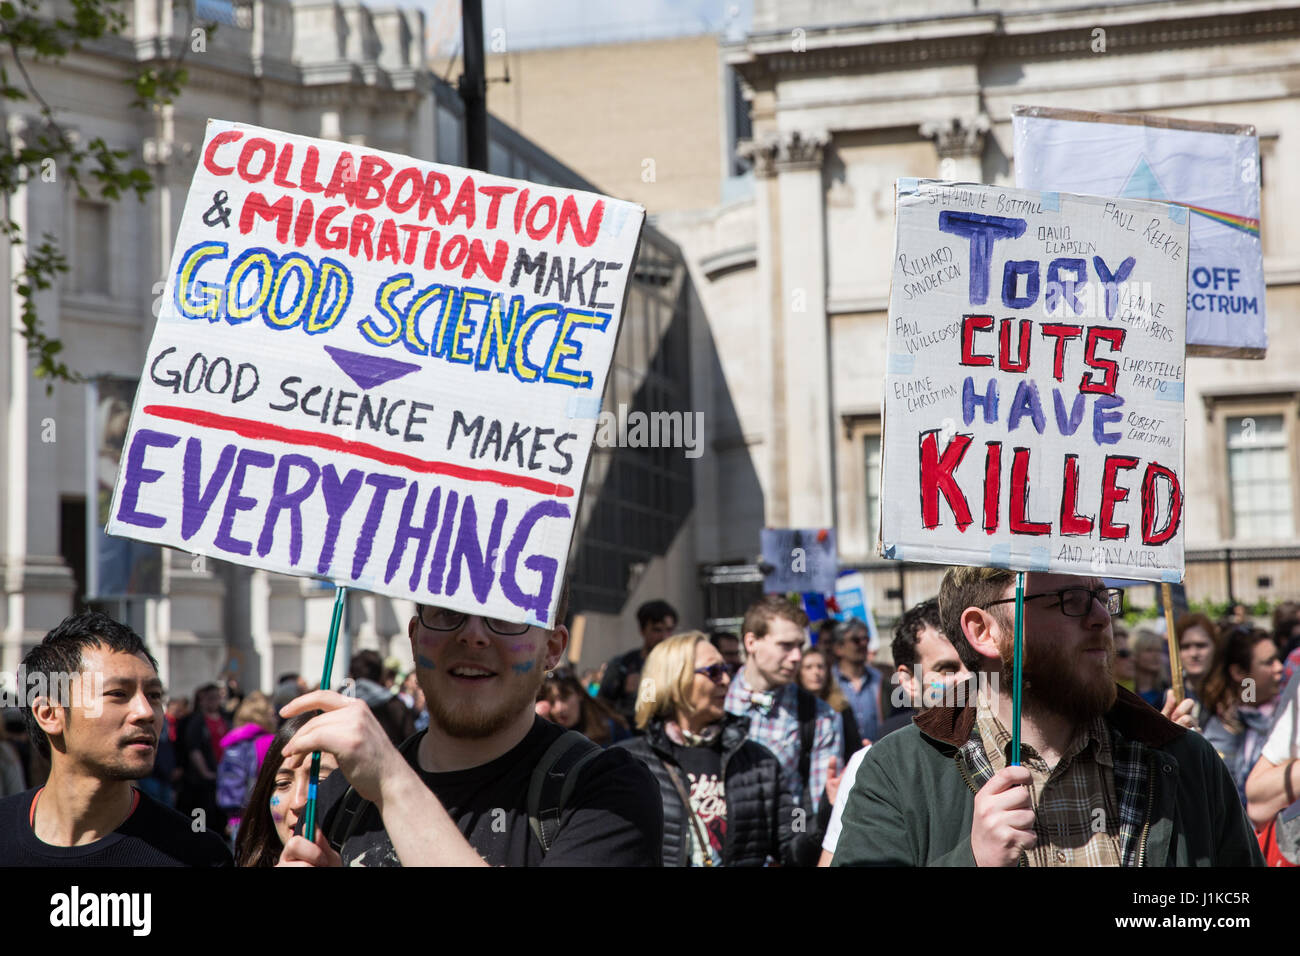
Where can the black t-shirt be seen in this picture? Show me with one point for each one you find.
(153, 835)
(613, 817)
(708, 793)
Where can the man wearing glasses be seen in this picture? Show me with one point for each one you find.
(458, 794)
(1105, 780)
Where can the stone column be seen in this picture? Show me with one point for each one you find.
(769, 456)
(960, 144)
(802, 341)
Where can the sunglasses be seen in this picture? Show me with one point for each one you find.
(1123, 652)
(714, 672)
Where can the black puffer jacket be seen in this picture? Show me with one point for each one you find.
(762, 820)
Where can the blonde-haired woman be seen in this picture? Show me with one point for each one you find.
(726, 802)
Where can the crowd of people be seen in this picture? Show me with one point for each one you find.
(783, 743)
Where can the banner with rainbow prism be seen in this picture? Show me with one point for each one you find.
(1208, 172)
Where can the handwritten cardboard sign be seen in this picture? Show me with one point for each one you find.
(800, 559)
(377, 370)
(1034, 390)
(1210, 171)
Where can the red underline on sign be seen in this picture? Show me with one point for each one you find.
(248, 428)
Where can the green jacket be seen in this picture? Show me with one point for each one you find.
(914, 796)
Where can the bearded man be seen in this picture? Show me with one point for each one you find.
(1104, 780)
(462, 792)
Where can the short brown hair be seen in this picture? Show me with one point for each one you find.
(761, 614)
(964, 587)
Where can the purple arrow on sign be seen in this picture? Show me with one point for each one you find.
(369, 370)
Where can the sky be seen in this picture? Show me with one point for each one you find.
(527, 24)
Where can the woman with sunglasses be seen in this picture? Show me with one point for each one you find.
(724, 802)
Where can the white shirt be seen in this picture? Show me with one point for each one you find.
(841, 799)
(1281, 745)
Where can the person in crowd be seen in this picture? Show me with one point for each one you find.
(800, 729)
(723, 798)
(1273, 786)
(1240, 695)
(1125, 673)
(1150, 666)
(621, 681)
(927, 667)
(1286, 632)
(462, 793)
(367, 672)
(231, 697)
(925, 663)
(243, 751)
(201, 750)
(944, 791)
(728, 645)
(98, 724)
(591, 681)
(413, 697)
(573, 708)
(292, 677)
(814, 677)
(1197, 638)
(277, 800)
(1286, 627)
(859, 681)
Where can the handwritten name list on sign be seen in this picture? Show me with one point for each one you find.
(377, 370)
(1034, 390)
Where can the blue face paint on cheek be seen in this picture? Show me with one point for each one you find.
(423, 661)
(275, 801)
(523, 668)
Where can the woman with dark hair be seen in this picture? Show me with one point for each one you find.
(1240, 692)
(815, 677)
(570, 706)
(277, 800)
(725, 802)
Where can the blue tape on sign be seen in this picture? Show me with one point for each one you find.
(893, 553)
(1171, 575)
(1171, 392)
(907, 185)
(618, 216)
(1051, 202)
(1177, 214)
(583, 406)
(901, 364)
(536, 622)
(1000, 556)
(1040, 559)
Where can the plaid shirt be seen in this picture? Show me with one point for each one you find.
(1076, 819)
(1134, 777)
(776, 727)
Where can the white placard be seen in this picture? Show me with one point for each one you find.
(1209, 170)
(1034, 390)
(377, 370)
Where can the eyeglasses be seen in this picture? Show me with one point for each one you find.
(1077, 602)
(440, 619)
(714, 672)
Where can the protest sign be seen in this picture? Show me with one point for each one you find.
(1034, 388)
(799, 559)
(855, 603)
(1210, 171)
(377, 370)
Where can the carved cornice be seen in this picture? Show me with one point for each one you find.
(998, 38)
(792, 150)
(958, 137)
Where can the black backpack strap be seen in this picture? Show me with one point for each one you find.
(353, 807)
(552, 783)
(807, 736)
